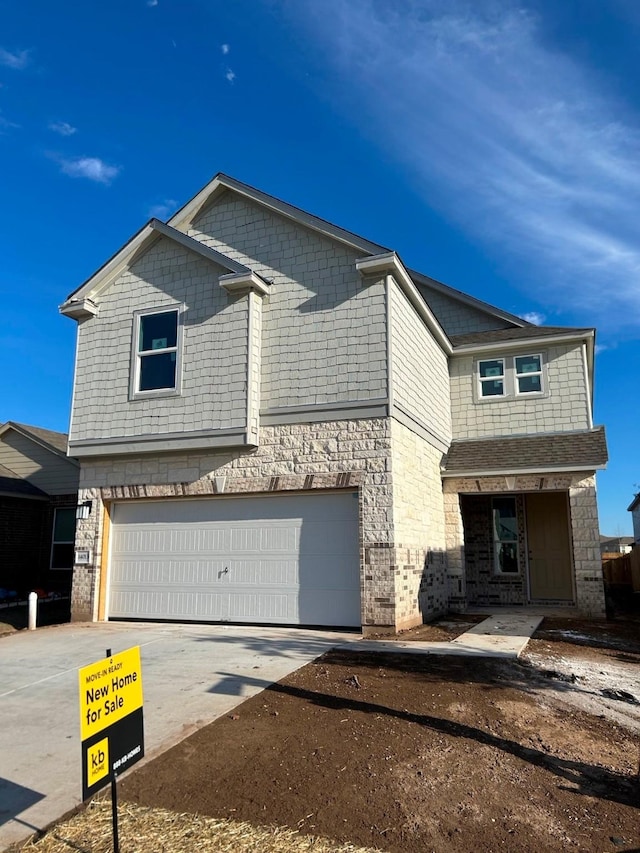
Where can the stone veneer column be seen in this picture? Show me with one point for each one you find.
(86, 579)
(455, 549)
(586, 547)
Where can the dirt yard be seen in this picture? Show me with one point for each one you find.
(434, 753)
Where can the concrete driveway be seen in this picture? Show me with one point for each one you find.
(191, 674)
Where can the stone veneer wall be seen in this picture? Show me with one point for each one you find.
(418, 519)
(583, 519)
(332, 455)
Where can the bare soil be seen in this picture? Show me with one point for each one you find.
(430, 753)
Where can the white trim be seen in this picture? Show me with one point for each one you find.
(241, 281)
(482, 379)
(316, 407)
(389, 263)
(529, 344)
(588, 386)
(389, 330)
(505, 472)
(137, 355)
(540, 373)
(144, 239)
(162, 443)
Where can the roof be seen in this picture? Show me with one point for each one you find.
(56, 441)
(623, 540)
(79, 303)
(519, 334)
(14, 484)
(634, 503)
(569, 451)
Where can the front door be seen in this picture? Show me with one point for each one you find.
(550, 575)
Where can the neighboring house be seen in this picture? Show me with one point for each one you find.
(277, 421)
(614, 545)
(634, 509)
(38, 499)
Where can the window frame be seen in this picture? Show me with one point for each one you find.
(511, 377)
(137, 355)
(485, 379)
(497, 543)
(54, 541)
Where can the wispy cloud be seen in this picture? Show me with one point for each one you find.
(92, 168)
(162, 209)
(520, 144)
(230, 75)
(152, 3)
(6, 125)
(63, 128)
(17, 59)
(225, 49)
(534, 317)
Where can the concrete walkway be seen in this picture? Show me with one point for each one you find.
(502, 636)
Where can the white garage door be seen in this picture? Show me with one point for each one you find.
(290, 560)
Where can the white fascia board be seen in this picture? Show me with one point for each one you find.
(237, 282)
(152, 231)
(79, 309)
(390, 264)
(505, 472)
(528, 343)
(185, 216)
(486, 307)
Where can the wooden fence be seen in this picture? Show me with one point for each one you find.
(623, 570)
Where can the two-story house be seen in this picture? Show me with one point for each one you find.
(277, 421)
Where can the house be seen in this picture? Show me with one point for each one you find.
(38, 498)
(278, 422)
(634, 509)
(613, 546)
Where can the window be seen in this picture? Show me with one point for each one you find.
(491, 377)
(505, 536)
(511, 376)
(64, 534)
(156, 352)
(528, 370)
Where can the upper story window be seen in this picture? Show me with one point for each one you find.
(156, 367)
(511, 376)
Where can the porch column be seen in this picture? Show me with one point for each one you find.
(454, 537)
(586, 547)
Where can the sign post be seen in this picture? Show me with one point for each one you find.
(111, 722)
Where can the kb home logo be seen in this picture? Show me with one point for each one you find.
(98, 761)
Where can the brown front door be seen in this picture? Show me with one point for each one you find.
(548, 544)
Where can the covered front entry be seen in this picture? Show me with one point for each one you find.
(517, 548)
(291, 559)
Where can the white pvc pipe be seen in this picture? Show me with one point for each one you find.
(33, 610)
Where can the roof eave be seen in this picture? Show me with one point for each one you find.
(466, 349)
(501, 472)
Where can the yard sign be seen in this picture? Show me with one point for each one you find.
(111, 724)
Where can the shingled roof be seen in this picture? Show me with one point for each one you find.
(524, 333)
(55, 440)
(538, 453)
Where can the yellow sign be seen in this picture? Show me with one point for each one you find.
(110, 690)
(97, 761)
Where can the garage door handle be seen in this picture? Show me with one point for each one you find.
(225, 571)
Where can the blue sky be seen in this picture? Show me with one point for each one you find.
(494, 145)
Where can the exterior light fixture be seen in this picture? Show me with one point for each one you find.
(83, 510)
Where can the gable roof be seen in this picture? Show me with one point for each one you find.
(570, 451)
(80, 303)
(13, 484)
(140, 242)
(51, 440)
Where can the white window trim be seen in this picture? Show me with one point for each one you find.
(497, 542)
(539, 373)
(510, 385)
(55, 541)
(483, 379)
(136, 356)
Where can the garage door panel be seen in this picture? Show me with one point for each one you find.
(292, 559)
